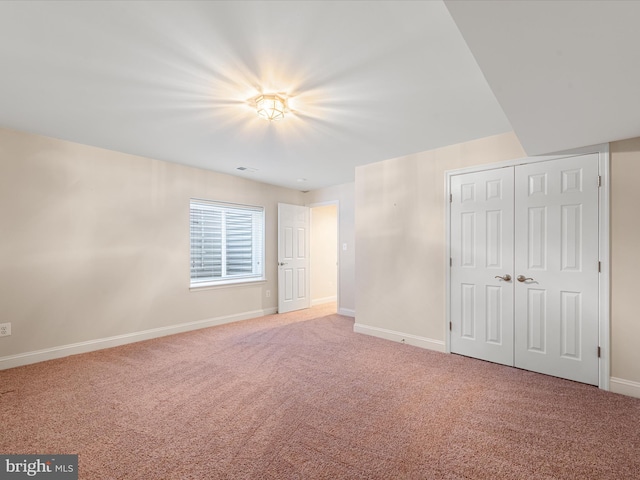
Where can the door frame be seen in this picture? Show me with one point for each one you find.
(604, 365)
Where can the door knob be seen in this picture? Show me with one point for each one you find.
(522, 278)
(506, 277)
(282, 264)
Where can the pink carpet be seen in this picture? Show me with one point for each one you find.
(300, 396)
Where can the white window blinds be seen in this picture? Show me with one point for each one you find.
(227, 243)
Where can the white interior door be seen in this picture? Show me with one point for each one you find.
(482, 264)
(293, 258)
(556, 234)
(537, 223)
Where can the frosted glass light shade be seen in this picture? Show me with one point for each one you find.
(270, 107)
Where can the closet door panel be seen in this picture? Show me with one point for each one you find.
(556, 252)
(481, 250)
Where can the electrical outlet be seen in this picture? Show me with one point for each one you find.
(5, 329)
(268, 293)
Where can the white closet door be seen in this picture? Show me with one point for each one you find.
(556, 239)
(481, 250)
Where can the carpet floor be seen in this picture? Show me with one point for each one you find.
(300, 396)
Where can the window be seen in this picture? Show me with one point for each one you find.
(227, 243)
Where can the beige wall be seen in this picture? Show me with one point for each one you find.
(324, 254)
(95, 243)
(625, 260)
(345, 196)
(400, 235)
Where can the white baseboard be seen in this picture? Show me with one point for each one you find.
(409, 339)
(98, 344)
(624, 387)
(320, 301)
(347, 312)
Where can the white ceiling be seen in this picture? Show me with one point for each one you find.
(367, 80)
(566, 73)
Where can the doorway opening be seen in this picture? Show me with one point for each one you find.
(324, 255)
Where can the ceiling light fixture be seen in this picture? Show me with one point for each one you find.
(271, 106)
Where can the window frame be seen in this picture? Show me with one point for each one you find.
(258, 250)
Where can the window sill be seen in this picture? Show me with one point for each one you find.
(236, 283)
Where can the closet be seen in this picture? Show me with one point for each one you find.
(524, 266)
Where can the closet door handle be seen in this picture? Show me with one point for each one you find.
(522, 278)
(506, 277)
